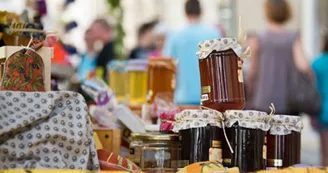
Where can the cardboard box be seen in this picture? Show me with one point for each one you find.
(110, 139)
(45, 52)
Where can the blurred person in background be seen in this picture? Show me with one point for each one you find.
(103, 34)
(145, 42)
(183, 46)
(160, 33)
(320, 68)
(88, 59)
(270, 61)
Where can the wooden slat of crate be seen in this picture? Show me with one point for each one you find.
(110, 139)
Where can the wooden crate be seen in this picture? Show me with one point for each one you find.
(110, 139)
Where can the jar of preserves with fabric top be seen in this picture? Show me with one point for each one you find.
(222, 83)
(201, 135)
(284, 141)
(246, 132)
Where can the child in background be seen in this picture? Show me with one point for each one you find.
(320, 68)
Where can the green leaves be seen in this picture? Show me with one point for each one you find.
(16, 80)
(23, 84)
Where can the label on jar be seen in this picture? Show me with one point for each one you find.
(204, 97)
(240, 76)
(215, 154)
(274, 163)
(227, 162)
(216, 144)
(264, 152)
(206, 89)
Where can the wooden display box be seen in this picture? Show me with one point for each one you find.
(46, 54)
(110, 139)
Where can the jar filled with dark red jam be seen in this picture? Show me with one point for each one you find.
(201, 135)
(246, 131)
(221, 76)
(284, 141)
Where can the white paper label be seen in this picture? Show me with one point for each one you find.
(215, 154)
(240, 76)
(204, 97)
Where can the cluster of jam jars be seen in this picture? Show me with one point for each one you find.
(222, 89)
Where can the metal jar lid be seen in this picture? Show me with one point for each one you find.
(154, 137)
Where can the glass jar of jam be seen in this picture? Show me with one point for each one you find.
(160, 153)
(284, 141)
(137, 81)
(201, 135)
(246, 132)
(118, 79)
(221, 76)
(161, 76)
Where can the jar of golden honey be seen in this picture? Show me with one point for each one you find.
(137, 81)
(118, 79)
(161, 76)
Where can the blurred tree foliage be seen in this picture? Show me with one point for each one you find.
(116, 10)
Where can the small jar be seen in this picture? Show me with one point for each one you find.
(118, 79)
(201, 135)
(246, 132)
(221, 75)
(137, 81)
(161, 77)
(284, 141)
(160, 153)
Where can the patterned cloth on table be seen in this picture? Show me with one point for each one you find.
(45, 130)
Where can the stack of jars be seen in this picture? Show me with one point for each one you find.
(240, 138)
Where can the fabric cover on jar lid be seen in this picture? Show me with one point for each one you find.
(285, 124)
(247, 119)
(221, 44)
(197, 118)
